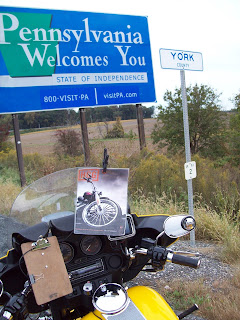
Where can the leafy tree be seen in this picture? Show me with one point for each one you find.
(47, 119)
(236, 101)
(234, 132)
(206, 122)
(148, 112)
(125, 112)
(29, 118)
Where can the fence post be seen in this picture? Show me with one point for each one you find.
(19, 149)
(141, 131)
(85, 140)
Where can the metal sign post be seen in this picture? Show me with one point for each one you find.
(187, 150)
(184, 60)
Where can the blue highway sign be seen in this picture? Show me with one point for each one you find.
(52, 59)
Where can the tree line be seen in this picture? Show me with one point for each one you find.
(56, 118)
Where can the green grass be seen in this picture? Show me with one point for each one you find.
(180, 299)
(220, 302)
(210, 224)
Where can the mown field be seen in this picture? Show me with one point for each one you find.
(45, 140)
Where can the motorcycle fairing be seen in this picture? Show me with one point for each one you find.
(153, 222)
(152, 225)
(151, 304)
(29, 234)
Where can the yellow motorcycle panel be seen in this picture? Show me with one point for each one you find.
(150, 303)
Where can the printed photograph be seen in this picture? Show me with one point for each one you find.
(101, 206)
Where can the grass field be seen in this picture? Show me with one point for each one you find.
(43, 141)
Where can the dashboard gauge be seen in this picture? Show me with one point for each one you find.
(90, 245)
(67, 251)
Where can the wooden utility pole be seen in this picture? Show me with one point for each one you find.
(85, 140)
(141, 132)
(19, 149)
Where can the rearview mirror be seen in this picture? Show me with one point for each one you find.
(179, 226)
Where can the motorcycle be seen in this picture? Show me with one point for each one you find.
(95, 210)
(53, 273)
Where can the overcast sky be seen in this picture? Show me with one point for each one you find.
(208, 26)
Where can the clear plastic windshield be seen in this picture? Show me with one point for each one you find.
(53, 194)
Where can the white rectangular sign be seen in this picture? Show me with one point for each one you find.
(190, 170)
(181, 60)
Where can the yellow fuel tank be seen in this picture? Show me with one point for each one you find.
(150, 303)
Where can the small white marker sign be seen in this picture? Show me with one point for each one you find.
(190, 170)
(181, 60)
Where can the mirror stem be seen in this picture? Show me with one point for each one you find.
(158, 237)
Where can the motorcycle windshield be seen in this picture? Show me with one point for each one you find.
(54, 194)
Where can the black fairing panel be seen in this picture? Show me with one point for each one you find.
(10, 274)
(151, 226)
(64, 224)
(154, 222)
(30, 234)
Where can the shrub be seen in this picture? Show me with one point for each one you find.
(4, 132)
(216, 187)
(131, 135)
(156, 175)
(8, 159)
(8, 192)
(219, 187)
(68, 142)
(117, 130)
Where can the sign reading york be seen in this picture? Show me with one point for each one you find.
(47, 52)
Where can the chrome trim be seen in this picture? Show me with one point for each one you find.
(141, 251)
(87, 270)
(7, 315)
(158, 237)
(169, 256)
(1, 287)
(112, 293)
(115, 238)
(130, 312)
(190, 254)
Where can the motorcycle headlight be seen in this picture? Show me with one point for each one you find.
(188, 223)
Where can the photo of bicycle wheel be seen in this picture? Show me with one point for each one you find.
(101, 215)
